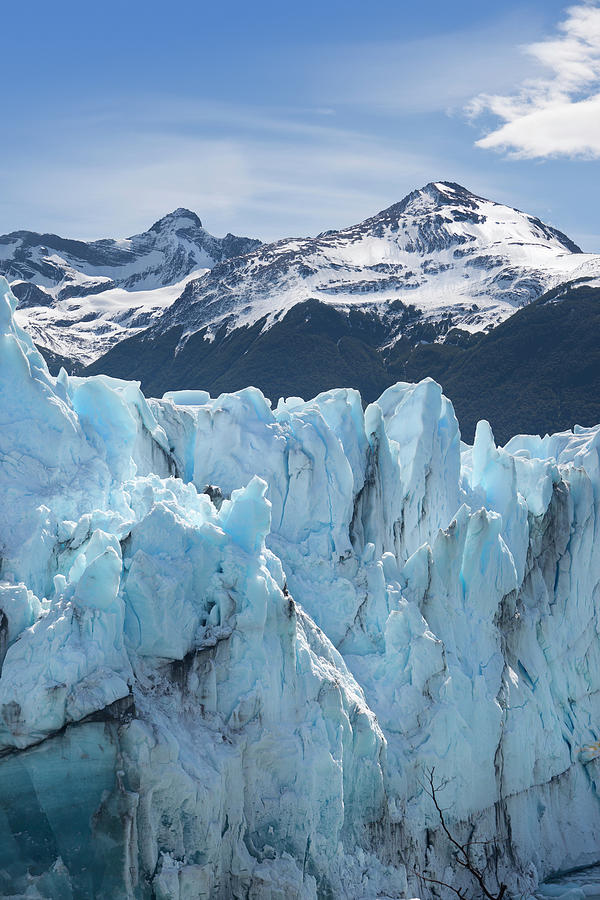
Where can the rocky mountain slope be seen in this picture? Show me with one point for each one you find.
(78, 298)
(348, 307)
(454, 256)
(537, 372)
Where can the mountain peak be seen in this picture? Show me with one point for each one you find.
(449, 190)
(446, 201)
(433, 194)
(180, 217)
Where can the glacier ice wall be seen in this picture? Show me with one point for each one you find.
(233, 638)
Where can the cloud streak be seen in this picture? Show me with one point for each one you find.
(242, 169)
(432, 74)
(558, 113)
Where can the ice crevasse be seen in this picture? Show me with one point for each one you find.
(233, 638)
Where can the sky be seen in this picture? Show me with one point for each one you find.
(275, 119)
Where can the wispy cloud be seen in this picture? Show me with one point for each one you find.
(435, 73)
(242, 169)
(557, 114)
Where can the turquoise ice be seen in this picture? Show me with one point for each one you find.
(234, 635)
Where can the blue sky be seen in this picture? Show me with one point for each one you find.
(274, 119)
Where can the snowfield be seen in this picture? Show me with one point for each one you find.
(82, 328)
(234, 638)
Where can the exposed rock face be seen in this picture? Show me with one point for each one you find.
(82, 297)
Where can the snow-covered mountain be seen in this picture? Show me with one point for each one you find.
(456, 257)
(405, 295)
(453, 259)
(235, 638)
(170, 250)
(78, 298)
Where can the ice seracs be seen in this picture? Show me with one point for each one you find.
(245, 685)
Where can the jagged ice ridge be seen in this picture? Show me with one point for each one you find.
(234, 690)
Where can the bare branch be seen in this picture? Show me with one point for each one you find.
(445, 884)
(462, 850)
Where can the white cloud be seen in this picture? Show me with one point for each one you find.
(557, 114)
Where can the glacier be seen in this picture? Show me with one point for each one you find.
(234, 638)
